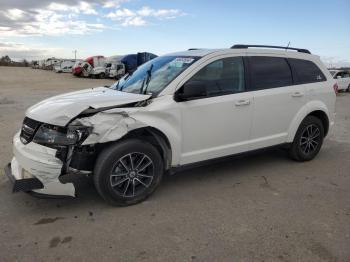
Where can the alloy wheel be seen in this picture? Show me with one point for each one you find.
(132, 174)
(310, 139)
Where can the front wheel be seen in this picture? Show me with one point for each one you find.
(308, 139)
(128, 172)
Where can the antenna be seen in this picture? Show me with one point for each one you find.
(288, 45)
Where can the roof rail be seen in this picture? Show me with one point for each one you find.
(301, 50)
(190, 49)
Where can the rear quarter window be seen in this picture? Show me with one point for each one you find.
(306, 71)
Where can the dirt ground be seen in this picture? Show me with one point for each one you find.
(260, 207)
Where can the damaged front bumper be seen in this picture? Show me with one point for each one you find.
(35, 168)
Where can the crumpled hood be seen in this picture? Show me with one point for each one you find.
(59, 110)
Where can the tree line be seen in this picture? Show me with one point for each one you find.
(6, 61)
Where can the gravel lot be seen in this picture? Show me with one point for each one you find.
(260, 207)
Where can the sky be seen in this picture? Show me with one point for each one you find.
(34, 29)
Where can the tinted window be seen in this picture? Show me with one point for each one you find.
(342, 75)
(269, 72)
(224, 76)
(306, 71)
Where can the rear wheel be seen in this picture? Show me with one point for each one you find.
(308, 139)
(128, 172)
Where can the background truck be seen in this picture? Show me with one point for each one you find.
(85, 68)
(129, 63)
(112, 67)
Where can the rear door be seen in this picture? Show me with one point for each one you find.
(276, 99)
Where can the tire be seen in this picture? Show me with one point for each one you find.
(113, 166)
(102, 75)
(308, 139)
(348, 88)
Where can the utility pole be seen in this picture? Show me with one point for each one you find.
(75, 54)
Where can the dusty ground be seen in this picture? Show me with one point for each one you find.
(261, 207)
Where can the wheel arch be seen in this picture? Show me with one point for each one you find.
(314, 108)
(155, 137)
(324, 119)
(151, 135)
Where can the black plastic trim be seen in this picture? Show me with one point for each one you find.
(300, 50)
(47, 196)
(176, 169)
(26, 184)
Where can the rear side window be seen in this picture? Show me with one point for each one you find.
(306, 71)
(269, 72)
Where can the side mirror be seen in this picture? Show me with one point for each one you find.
(192, 90)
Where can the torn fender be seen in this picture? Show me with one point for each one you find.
(109, 125)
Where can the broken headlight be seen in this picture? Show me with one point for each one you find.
(53, 135)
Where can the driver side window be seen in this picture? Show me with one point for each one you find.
(222, 77)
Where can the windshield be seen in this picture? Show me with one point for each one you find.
(153, 76)
(332, 72)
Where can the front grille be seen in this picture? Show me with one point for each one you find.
(29, 127)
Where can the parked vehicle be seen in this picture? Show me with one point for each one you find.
(127, 64)
(175, 111)
(41, 63)
(65, 66)
(117, 70)
(113, 67)
(35, 64)
(50, 63)
(343, 79)
(85, 68)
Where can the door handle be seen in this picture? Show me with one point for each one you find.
(243, 102)
(297, 94)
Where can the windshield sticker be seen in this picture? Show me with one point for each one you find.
(185, 60)
(181, 61)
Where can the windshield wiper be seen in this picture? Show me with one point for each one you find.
(148, 79)
(126, 77)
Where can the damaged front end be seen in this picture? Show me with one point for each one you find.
(44, 154)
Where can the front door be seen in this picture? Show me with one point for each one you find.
(219, 123)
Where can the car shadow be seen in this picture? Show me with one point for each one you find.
(222, 169)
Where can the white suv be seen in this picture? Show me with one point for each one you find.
(172, 112)
(343, 79)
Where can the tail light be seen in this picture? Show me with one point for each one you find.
(335, 87)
